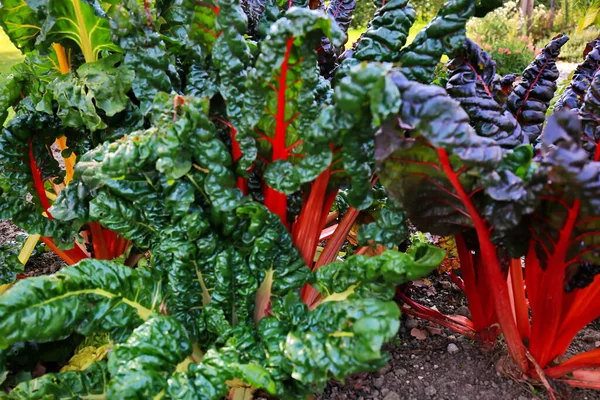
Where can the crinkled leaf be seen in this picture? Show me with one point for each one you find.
(95, 85)
(10, 265)
(531, 98)
(387, 32)
(341, 11)
(140, 366)
(470, 82)
(27, 162)
(429, 148)
(280, 106)
(389, 229)
(574, 94)
(145, 53)
(444, 35)
(376, 276)
(589, 113)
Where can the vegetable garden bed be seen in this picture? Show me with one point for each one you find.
(240, 201)
(419, 368)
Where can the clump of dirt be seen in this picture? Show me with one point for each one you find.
(43, 264)
(428, 361)
(8, 231)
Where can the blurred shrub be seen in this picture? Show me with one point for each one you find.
(365, 9)
(363, 14)
(512, 55)
(503, 23)
(573, 50)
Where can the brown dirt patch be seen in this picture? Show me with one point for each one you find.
(447, 366)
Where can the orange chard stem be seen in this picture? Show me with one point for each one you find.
(71, 257)
(64, 68)
(63, 61)
(517, 286)
(101, 251)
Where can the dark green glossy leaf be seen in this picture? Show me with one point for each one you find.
(387, 32)
(444, 35)
(93, 296)
(140, 366)
(10, 265)
(389, 229)
(95, 85)
(73, 385)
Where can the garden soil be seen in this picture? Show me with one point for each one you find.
(432, 362)
(41, 264)
(426, 361)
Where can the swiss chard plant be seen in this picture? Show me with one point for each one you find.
(69, 94)
(481, 162)
(219, 309)
(204, 144)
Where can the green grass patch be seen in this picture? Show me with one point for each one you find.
(9, 54)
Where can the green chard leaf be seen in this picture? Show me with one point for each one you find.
(139, 367)
(28, 137)
(94, 296)
(72, 23)
(90, 383)
(387, 33)
(389, 229)
(10, 94)
(145, 52)
(10, 265)
(444, 35)
(95, 86)
(280, 106)
(134, 186)
(20, 23)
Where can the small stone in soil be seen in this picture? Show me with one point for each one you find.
(411, 323)
(464, 311)
(430, 391)
(385, 369)
(452, 348)
(446, 285)
(392, 396)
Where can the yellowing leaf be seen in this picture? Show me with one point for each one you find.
(86, 357)
(5, 287)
